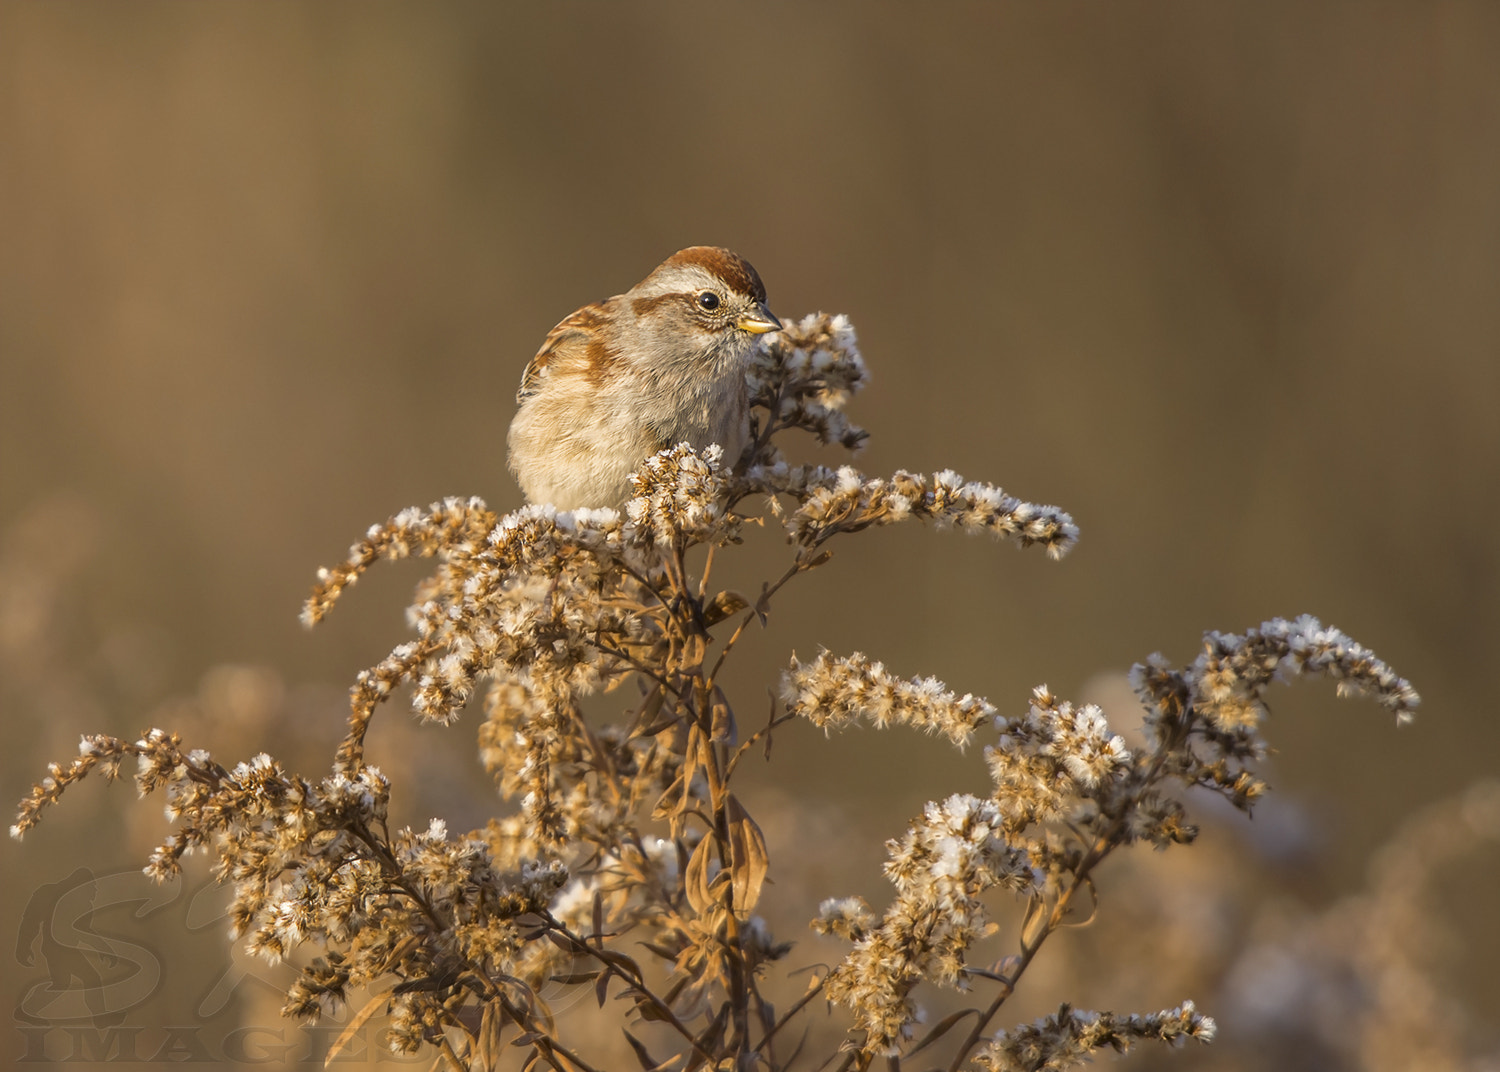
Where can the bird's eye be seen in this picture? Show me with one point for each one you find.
(708, 300)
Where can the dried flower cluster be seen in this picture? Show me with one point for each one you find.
(627, 865)
(1067, 794)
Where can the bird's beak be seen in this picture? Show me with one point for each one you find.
(759, 322)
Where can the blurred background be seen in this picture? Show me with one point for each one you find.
(1222, 280)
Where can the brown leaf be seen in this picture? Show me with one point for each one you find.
(690, 657)
(402, 948)
(647, 718)
(646, 1009)
(941, 1028)
(709, 1041)
(693, 757)
(487, 1046)
(619, 960)
(671, 802)
(567, 944)
(351, 1029)
(663, 721)
(695, 881)
(749, 860)
(1035, 923)
(763, 604)
(576, 978)
(722, 728)
(767, 1014)
(649, 1063)
(660, 950)
(723, 605)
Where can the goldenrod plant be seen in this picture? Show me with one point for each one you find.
(625, 865)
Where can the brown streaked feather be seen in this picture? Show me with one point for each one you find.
(727, 265)
(578, 335)
(646, 306)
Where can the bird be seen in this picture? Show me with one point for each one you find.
(618, 380)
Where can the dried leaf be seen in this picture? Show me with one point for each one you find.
(817, 560)
(646, 1009)
(749, 860)
(710, 1040)
(563, 942)
(763, 604)
(647, 718)
(664, 720)
(695, 881)
(723, 606)
(649, 1063)
(1034, 922)
(723, 729)
(692, 759)
(690, 657)
(487, 1047)
(1088, 884)
(619, 960)
(767, 1014)
(670, 803)
(941, 1028)
(660, 950)
(576, 978)
(351, 1029)
(400, 951)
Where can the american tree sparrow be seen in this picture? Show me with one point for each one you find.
(661, 364)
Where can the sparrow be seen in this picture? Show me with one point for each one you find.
(615, 382)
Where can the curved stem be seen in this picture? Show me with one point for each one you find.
(636, 984)
(786, 1018)
(795, 568)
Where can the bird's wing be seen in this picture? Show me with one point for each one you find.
(568, 343)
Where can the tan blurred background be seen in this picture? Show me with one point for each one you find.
(1223, 280)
